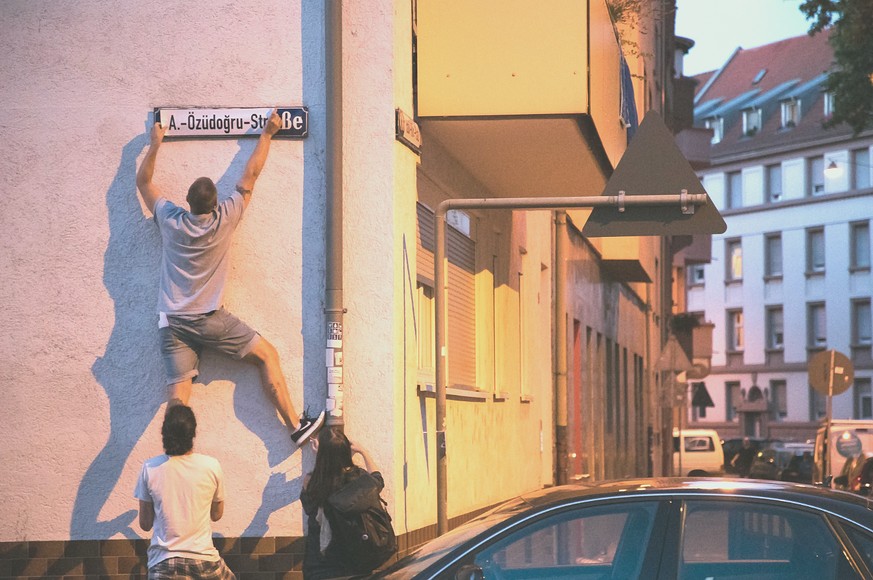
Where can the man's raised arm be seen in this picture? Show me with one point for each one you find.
(259, 156)
(149, 192)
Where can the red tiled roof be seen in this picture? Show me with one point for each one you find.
(794, 61)
(802, 57)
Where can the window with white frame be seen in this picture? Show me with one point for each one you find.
(859, 253)
(775, 334)
(828, 103)
(815, 251)
(863, 398)
(773, 255)
(774, 182)
(790, 113)
(734, 260)
(861, 168)
(751, 121)
(717, 126)
(733, 397)
(735, 189)
(816, 325)
(735, 333)
(696, 275)
(779, 399)
(861, 322)
(816, 176)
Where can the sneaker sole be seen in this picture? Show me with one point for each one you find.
(316, 423)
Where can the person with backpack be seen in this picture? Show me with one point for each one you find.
(349, 529)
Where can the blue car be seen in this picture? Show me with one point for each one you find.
(657, 529)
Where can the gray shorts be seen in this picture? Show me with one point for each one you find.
(186, 336)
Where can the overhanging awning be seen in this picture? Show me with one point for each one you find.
(526, 155)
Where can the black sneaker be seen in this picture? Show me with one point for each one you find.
(307, 428)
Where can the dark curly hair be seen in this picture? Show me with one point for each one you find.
(178, 430)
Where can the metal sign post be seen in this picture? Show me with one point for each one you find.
(830, 373)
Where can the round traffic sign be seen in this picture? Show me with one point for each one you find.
(830, 362)
(849, 444)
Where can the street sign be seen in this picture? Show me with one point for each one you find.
(829, 363)
(673, 357)
(238, 122)
(653, 164)
(849, 444)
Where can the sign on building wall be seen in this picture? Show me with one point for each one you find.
(209, 122)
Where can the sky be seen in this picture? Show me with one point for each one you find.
(718, 27)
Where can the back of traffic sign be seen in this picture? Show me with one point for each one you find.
(829, 363)
(653, 164)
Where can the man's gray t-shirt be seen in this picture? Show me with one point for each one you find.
(195, 255)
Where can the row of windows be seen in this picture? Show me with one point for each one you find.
(753, 118)
(862, 400)
(816, 318)
(859, 254)
(817, 169)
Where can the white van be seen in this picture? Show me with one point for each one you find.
(849, 438)
(700, 453)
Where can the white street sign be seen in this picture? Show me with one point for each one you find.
(219, 122)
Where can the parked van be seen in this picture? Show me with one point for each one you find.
(849, 438)
(699, 454)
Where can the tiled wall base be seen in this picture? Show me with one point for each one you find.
(269, 558)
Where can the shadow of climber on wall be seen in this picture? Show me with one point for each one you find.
(130, 369)
(130, 373)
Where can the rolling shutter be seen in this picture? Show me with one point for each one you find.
(461, 252)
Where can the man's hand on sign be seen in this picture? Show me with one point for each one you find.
(158, 132)
(273, 124)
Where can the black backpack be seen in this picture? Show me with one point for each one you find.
(360, 525)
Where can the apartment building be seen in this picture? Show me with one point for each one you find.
(791, 275)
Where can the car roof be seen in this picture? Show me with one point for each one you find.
(822, 497)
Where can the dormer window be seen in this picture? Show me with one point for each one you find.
(717, 126)
(751, 121)
(828, 101)
(790, 113)
(759, 76)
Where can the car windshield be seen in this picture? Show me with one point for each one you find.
(432, 551)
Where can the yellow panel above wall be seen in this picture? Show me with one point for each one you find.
(502, 57)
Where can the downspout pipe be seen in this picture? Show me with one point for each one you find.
(561, 326)
(441, 296)
(333, 299)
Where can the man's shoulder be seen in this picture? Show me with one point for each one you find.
(156, 461)
(206, 460)
(164, 208)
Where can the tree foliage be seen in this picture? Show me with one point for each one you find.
(851, 81)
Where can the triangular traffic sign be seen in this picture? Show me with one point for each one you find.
(653, 164)
(673, 357)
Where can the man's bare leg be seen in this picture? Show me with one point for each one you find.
(179, 393)
(265, 356)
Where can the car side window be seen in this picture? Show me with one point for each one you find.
(745, 539)
(593, 542)
(699, 444)
(864, 544)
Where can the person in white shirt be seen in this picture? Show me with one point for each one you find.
(180, 494)
(194, 263)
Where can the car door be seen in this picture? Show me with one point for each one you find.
(592, 541)
(745, 539)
